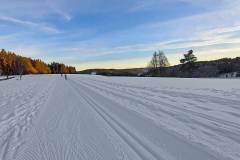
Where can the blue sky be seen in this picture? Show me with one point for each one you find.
(119, 34)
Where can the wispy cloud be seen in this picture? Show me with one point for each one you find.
(4, 38)
(65, 16)
(59, 9)
(206, 47)
(36, 9)
(29, 51)
(143, 5)
(216, 36)
(83, 31)
(32, 25)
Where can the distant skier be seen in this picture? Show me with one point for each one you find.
(65, 77)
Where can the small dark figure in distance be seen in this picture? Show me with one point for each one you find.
(65, 77)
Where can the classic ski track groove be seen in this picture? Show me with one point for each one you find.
(93, 117)
(123, 132)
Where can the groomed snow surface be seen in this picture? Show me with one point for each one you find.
(46, 117)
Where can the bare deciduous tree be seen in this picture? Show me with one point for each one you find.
(162, 60)
(158, 61)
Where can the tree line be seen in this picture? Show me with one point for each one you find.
(12, 64)
(159, 62)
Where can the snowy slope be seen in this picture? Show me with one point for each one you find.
(95, 117)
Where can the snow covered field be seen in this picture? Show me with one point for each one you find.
(92, 117)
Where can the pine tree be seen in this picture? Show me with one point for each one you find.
(189, 58)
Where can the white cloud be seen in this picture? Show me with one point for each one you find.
(28, 51)
(38, 26)
(194, 31)
(213, 27)
(208, 40)
(34, 8)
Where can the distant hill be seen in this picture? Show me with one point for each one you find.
(229, 67)
(215, 68)
(114, 72)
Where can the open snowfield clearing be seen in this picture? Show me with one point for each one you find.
(117, 118)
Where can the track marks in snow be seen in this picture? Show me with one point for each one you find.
(129, 138)
(95, 117)
(70, 129)
(20, 106)
(207, 123)
(141, 135)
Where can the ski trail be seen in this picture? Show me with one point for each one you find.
(24, 105)
(45, 117)
(72, 130)
(158, 144)
(220, 134)
(134, 142)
